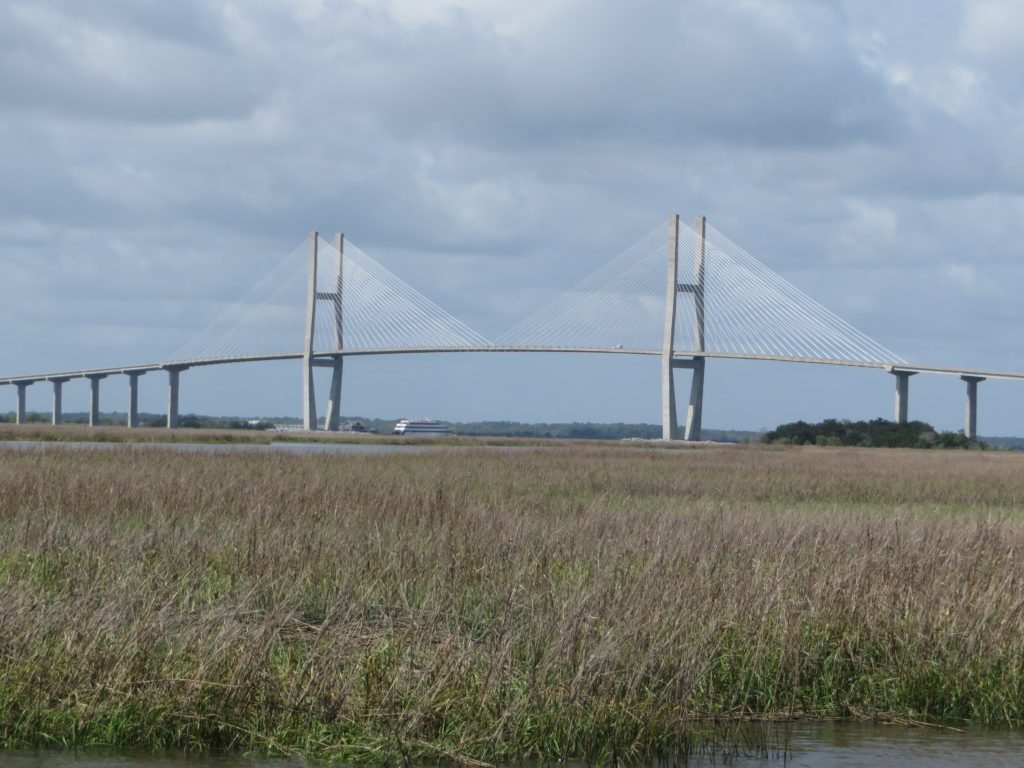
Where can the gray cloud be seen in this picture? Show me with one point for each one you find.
(123, 61)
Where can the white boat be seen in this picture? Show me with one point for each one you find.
(421, 427)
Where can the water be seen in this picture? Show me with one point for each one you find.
(808, 745)
(860, 745)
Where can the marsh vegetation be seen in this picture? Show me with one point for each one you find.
(583, 602)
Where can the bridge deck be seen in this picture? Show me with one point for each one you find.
(205, 361)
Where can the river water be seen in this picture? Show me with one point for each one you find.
(801, 745)
(856, 745)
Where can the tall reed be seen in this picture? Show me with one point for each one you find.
(501, 604)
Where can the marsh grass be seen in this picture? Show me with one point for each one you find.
(67, 433)
(594, 603)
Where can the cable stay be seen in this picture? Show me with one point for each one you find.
(749, 310)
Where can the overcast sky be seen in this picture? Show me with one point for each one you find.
(156, 158)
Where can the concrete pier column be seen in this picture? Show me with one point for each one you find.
(902, 394)
(19, 415)
(333, 418)
(971, 415)
(58, 401)
(695, 411)
(133, 397)
(94, 397)
(173, 380)
(669, 420)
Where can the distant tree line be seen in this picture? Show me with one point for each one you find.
(574, 430)
(193, 421)
(876, 433)
(148, 420)
(569, 430)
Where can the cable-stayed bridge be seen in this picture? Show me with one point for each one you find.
(687, 297)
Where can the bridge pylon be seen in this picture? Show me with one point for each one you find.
(308, 385)
(310, 359)
(669, 362)
(331, 421)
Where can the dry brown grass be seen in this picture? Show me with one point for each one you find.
(501, 604)
(65, 433)
(118, 434)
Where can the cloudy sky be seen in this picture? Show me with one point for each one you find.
(157, 158)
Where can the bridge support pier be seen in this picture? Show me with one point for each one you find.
(173, 380)
(19, 414)
(309, 420)
(971, 414)
(94, 397)
(669, 423)
(902, 394)
(133, 397)
(332, 419)
(58, 401)
(695, 411)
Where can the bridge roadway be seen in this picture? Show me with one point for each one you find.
(683, 359)
(203, 361)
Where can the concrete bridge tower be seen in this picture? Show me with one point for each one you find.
(335, 360)
(669, 362)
